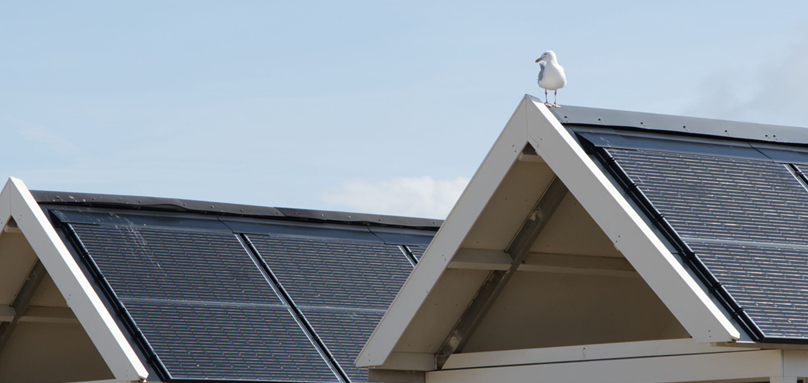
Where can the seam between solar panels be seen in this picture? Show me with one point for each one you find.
(713, 285)
(798, 174)
(121, 311)
(408, 253)
(745, 243)
(301, 319)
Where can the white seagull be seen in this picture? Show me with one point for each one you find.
(551, 76)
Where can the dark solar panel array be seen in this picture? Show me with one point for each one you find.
(217, 303)
(343, 287)
(203, 305)
(746, 219)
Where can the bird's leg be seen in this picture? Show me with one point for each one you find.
(555, 99)
(546, 101)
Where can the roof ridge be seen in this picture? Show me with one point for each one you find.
(206, 207)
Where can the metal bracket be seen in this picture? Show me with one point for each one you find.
(497, 280)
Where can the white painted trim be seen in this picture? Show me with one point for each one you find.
(72, 283)
(683, 296)
(681, 368)
(583, 353)
(411, 361)
(435, 260)
(5, 208)
(477, 259)
(795, 363)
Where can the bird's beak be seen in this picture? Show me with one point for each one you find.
(539, 59)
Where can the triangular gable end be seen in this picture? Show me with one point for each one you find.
(54, 325)
(537, 170)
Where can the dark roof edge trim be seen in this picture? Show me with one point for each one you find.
(203, 207)
(679, 124)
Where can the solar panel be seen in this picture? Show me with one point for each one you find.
(721, 198)
(203, 304)
(769, 282)
(746, 219)
(345, 333)
(328, 272)
(229, 342)
(342, 287)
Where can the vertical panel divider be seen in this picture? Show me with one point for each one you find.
(798, 174)
(298, 315)
(408, 253)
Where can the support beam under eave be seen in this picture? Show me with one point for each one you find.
(497, 280)
(20, 304)
(476, 259)
(729, 366)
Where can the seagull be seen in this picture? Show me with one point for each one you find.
(551, 76)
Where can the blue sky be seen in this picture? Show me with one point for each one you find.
(382, 107)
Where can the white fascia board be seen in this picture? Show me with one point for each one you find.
(605, 351)
(72, 283)
(5, 208)
(481, 188)
(410, 361)
(666, 276)
(725, 366)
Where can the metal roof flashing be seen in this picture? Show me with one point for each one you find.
(228, 209)
(578, 115)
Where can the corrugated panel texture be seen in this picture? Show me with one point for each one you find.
(746, 219)
(345, 332)
(203, 305)
(357, 278)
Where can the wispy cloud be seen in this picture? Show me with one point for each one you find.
(47, 137)
(420, 196)
(774, 90)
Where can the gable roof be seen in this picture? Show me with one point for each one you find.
(207, 291)
(708, 213)
(581, 226)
